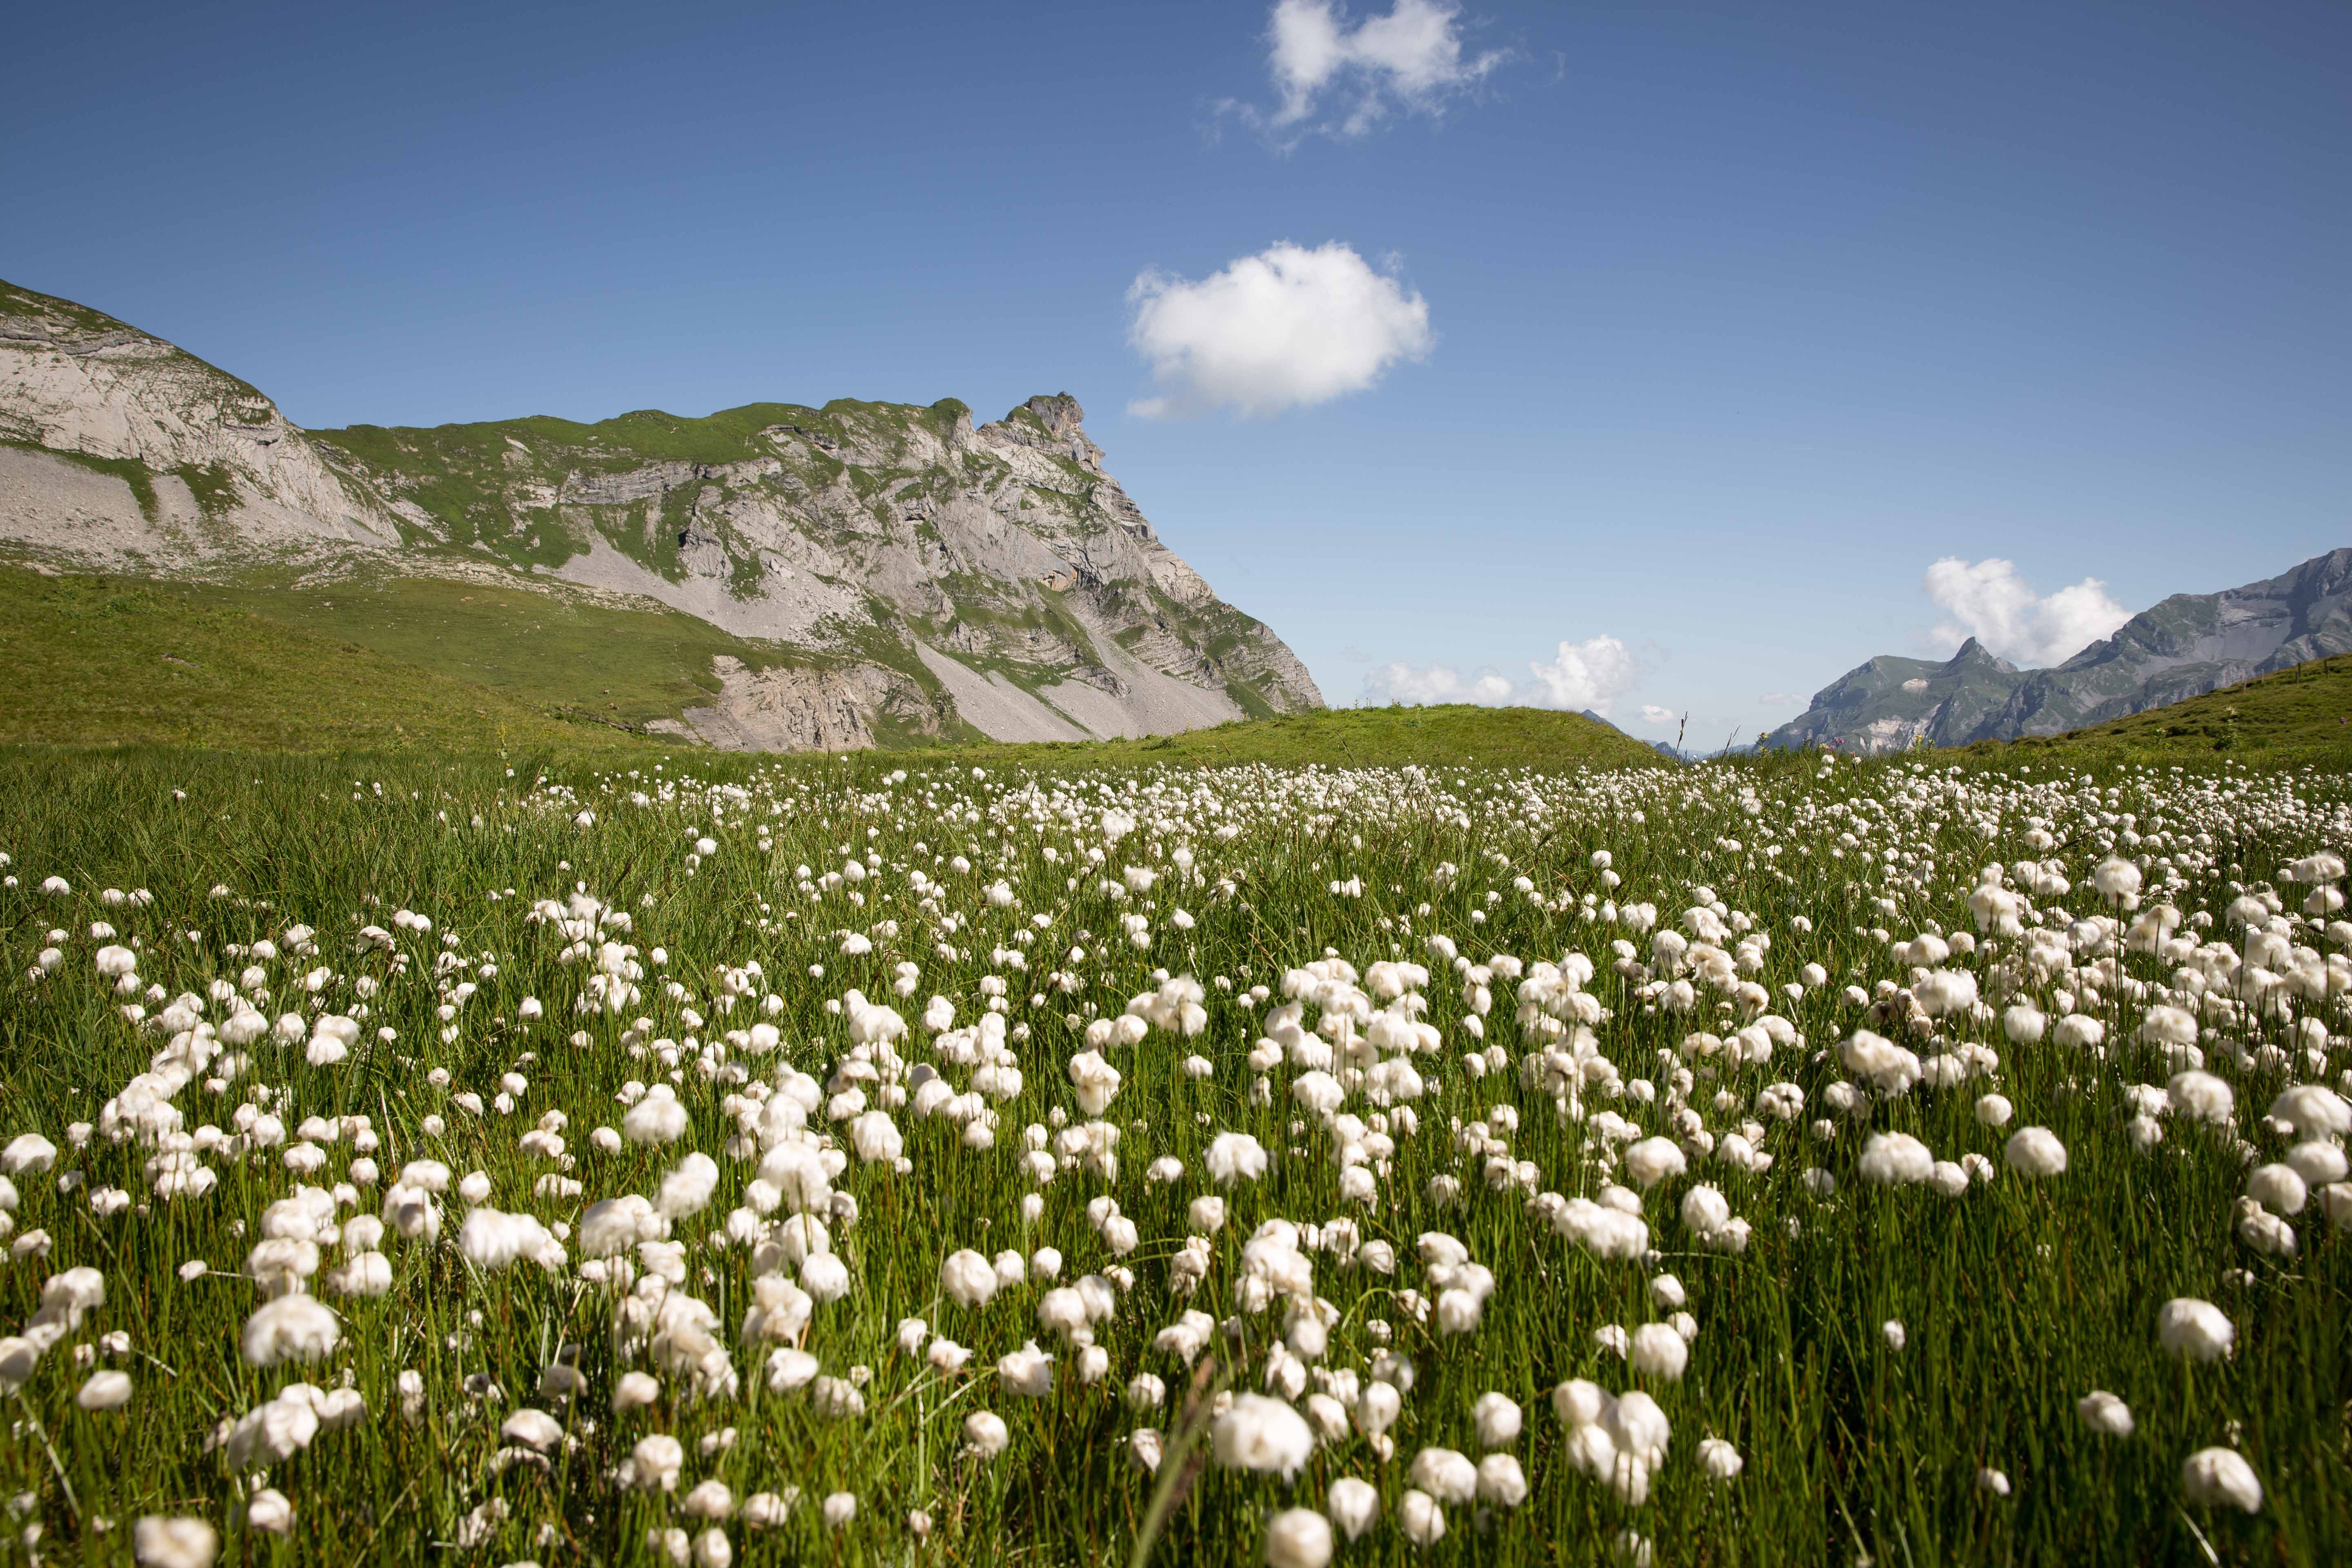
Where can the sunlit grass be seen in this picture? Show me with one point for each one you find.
(2018, 1298)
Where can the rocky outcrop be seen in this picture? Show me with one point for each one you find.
(875, 540)
(2188, 644)
(807, 709)
(77, 382)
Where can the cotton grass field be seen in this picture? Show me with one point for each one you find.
(1796, 1162)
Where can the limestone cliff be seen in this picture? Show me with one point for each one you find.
(202, 463)
(913, 574)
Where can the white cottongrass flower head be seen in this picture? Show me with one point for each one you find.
(2034, 1151)
(1261, 1434)
(1891, 1159)
(1653, 1159)
(1297, 1538)
(2195, 1330)
(985, 1435)
(1501, 1482)
(1659, 1350)
(2220, 1477)
(967, 1279)
(1445, 1475)
(163, 1542)
(1719, 1459)
(1234, 1157)
(108, 1389)
(291, 1328)
(2104, 1414)
(1421, 1519)
(1354, 1505)
(1497, 1419)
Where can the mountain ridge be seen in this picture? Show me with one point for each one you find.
(2185, 645)
(916, 574)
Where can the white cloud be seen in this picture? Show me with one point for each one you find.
(1285, 329)
(1415, 688)
(1990, 602)
(1653, 714)
(1589, 674)
(1345, 79)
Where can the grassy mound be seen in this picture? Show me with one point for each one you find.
(1451, 735)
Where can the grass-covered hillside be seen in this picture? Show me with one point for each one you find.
(369, 664)
(2291, 717)
(97, 662)
(1454, 735)
(555, 652)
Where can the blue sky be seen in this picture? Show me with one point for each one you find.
(1704, 331)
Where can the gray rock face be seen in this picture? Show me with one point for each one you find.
(73, 381)
(805, 709)
(2188, 644)
(907, 569)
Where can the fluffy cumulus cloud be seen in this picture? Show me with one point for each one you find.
(1589, 674)
(1653, 714)
(1285, 329)
(1404, 683)
(1990, 602)
(1344, 77)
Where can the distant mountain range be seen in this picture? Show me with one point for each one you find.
(2188, 644)
(898, 571)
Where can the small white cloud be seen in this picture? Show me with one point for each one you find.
(1415, 688)
(1590, 673)
(1285, 329)
(1990, 602)
(1344, 80)
(1653, 714)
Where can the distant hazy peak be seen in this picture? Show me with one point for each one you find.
(2188, 645)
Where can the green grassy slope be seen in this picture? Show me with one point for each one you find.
(104, 662)
(2291, 717)
(1361, 737)
(466, 668)
(550, 652)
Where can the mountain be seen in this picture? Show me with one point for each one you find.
(2188, 644)
(1664, 748)
(884, 571)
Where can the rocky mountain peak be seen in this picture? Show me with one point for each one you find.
(1060, 414)
(1054, 422)
(1974, 653)
(2185, 646)
(911, 576)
